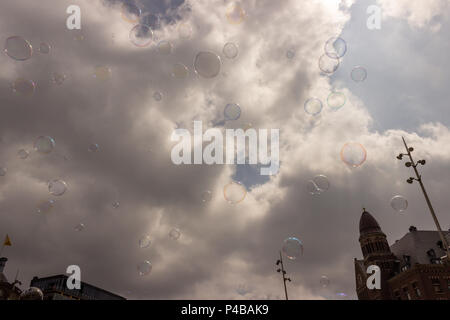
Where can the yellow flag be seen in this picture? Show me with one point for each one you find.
(7, 241)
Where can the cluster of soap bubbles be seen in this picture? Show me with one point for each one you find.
(292, 248)
(399, 204)
(353, 154)
(335, 48)
(318, 185)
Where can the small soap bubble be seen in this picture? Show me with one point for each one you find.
(24, 87)
(399, 204)
(57, 78)
(321, 182)
(141, 35)
(353, 154)
(94, 147)
(79, 227)
(336, 100)
(292, 248)
(290, 54)
(165, 47)
(144, 268)
(44, 48)
(23, 154)
(130, 12)
(335, 47)
(57, 187)
(207, 64)
(235, 13)
(175, 234)
(116, 204)
(157, 96)
(313, 106)
(230, 50)
(232, 111)
(234, 192)
(179, 71)
(324, 281)
(206, 196)
(327, 64)
(145, 242)
(18, 48)
(44, 144)
(45, 207)
(359, 74)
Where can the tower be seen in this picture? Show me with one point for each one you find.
(376, 251)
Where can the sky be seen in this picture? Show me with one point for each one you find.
(129, 187)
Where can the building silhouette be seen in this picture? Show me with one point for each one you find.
(50, 288)
(413, 268)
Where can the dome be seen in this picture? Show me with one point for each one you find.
(367, 223)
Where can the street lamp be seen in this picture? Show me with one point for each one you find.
(418, 178)
(283, 274)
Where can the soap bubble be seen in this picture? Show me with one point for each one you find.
(292, 248)
(141, 35)
(185, 30)
(144, 268)
(157, 96)
(3, 171)
(290, 54)
(234, 192)
(353, 154)
(23, 154)
(336, 100)
(145, 242)
(312, 188)
(179, 71)
(324, 281)
(57, 78)
(116, 204)
(130, 12)
(327, 64)
(235, 13)
(165, 47)
(18, 48)
(335, 47)
(399, 204)
(232, 111)
(207, 64)
(175, 234)
(23, 87)
(44, 144)
(313, 106)
(45, 207)
(321, 182)
(57, 187)
(102, 73)
(44, 48)
(230, 50)
(359, 74)
(206, 196)
(93, 147)
(79, 227)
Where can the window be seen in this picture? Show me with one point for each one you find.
(416, 289)
(406, 292)
(436, 285)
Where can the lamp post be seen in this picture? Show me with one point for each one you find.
(418, 178)
(283, 274)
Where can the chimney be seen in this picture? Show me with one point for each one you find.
(3, 263)
(412, 228)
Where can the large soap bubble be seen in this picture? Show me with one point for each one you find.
(207, 64)
(292, 248)
(18, 48)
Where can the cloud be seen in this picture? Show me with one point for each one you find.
(224, 251)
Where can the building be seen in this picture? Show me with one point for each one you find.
(55, 288)
(8, 291)
(412, 268)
